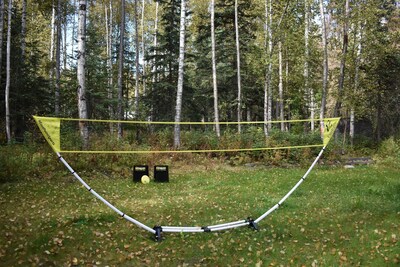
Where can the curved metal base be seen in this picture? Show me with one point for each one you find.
(157, 230)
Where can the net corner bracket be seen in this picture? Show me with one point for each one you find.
(252, 224)
(157, 234)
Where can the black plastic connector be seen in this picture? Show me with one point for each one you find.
(157, 234)
(252, 224)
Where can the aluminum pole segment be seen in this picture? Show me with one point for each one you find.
(293, 189)
(226, 224)
(183, 230)
(180, 228)
(101, 198)
(201, 228)
(229, 227)
(302, 178)
(266, 213)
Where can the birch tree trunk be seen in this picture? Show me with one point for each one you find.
(308, 90)
(136, 108)
(178, 109)
(58, 60)
(23, 30)
(280, 86)
(214, 69)
(356, 79)
(325, 65)
(154, 68)
(8, 78)
(1, 33)
(121, 67)
(268, 75)
(109, 32)
(52, 35)
(73, 30)
(143, 48)
(64, 41)
(343, 60)
(155, 43)
(239, 97)
(82, 105)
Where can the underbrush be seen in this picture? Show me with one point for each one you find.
(34, 160)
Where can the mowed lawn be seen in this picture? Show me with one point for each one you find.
(337, 217)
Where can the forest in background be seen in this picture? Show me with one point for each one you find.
(243, 61)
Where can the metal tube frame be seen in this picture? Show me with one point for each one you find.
(157, 230)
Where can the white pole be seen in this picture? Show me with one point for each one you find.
(101, 198)
(293, 189)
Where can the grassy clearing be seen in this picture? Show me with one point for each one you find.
(337, 217)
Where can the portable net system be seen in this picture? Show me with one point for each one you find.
(141, 137)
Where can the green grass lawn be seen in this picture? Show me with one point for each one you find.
(337, 217)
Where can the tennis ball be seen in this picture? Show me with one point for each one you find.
(145, 179)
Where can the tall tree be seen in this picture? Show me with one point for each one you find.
(143, 47)
(53, 30)
(239, 82)
(23, 30)
(110, 82)
(343, 60)
(280, 86)
(307, 89)
(178, 109)
(58, 59)
(214, 69)
(121, 67)
(358, 45)
(268, 73)
(8, 75)
(136, 107)
(325, 64)
(82, 103)
(1, 32)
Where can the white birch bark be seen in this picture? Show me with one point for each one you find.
(155, 43)
(154, 68)
(178, 109)
(53, 24)
(8, 78)
(143, 48)
(109, 32)
(280, 86)
(136, 107)
(58, 60)
(73, 30)
(121, 67)
(52, 36)
(1, 32)
(82, 105)
(325, 65)
(308, 90)
(239, 82)
(214, 69)
(267, 85)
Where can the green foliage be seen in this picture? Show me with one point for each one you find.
(389, 152)
(25, 162)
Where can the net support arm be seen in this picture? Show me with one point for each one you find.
(293, 188)
(123, 215)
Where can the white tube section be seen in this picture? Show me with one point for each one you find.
(182, 230)
(101, 198)
(293, 188)
(226, 224)
(229, 227)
